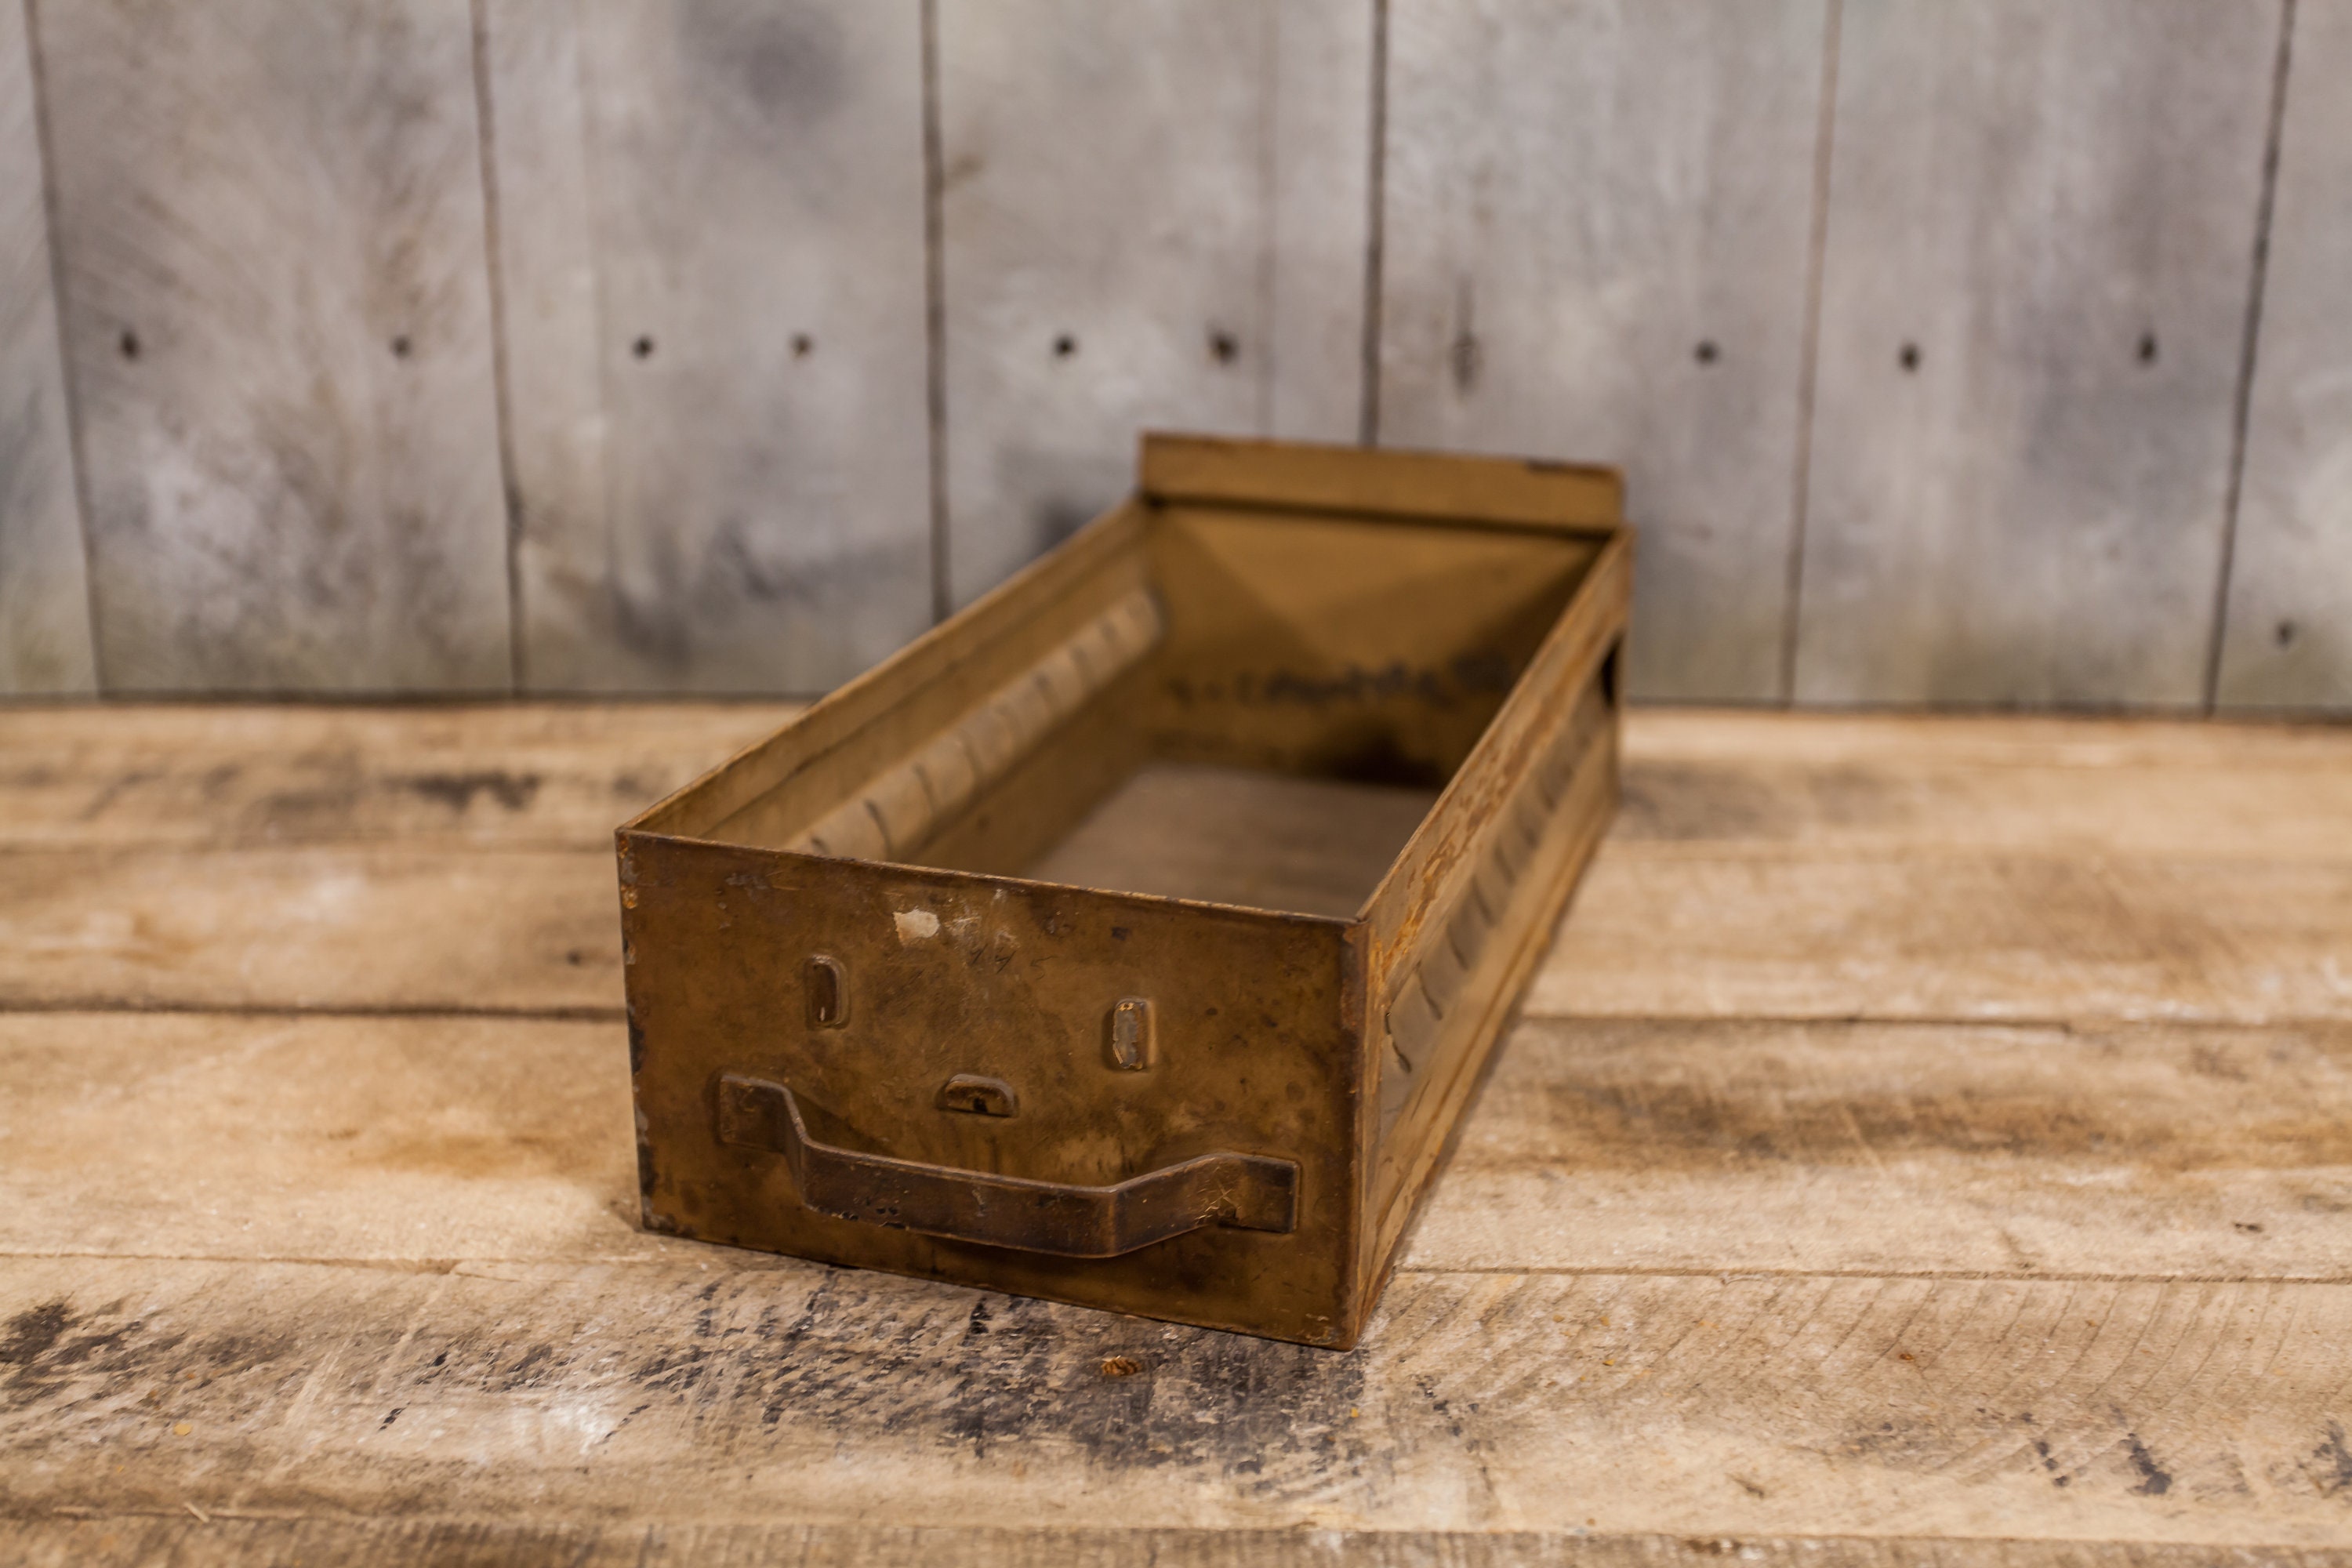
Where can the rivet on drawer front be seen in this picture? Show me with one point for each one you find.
(828, 992)
(977, 1096)
(1130, 1035)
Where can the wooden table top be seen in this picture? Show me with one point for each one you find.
(1928, 1136)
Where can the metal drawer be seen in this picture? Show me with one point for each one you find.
(1135, 937)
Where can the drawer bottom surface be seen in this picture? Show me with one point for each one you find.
(1240, 835)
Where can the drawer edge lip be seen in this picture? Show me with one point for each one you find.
(1257, 507)
(1394, 482)
(627, 838)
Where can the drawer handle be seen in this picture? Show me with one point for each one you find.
(1250, 1192)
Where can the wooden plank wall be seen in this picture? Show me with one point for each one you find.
(1598, 221)
(2041, 226)
(1974, 354)
(279, 328)
(2287, 637)
(1154, 215)
(757, 176)
(45, 643)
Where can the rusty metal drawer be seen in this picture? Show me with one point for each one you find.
(1136, 937)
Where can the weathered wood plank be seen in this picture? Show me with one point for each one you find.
(397, 1140)
(277, 309)
(1915, 1149)
(2139, 751)
(1155, 215)
(2039, 243)
(755, 177)
(1729, 893)
(2289, 593)
(45, 641)
(1597, 247)
(1595, 1147)
(1707, 1406)
(1980, 936)
(428, 778)
(338, 928)
(181, 1541)
(498, 1341)
(1785, 785)
(1695, 782)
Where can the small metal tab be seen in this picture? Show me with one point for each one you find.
(828, 992)
(977, 1096)
(1130, 1035)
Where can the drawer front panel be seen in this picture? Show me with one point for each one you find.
(1129, 1103)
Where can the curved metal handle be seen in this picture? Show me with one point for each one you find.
(1250, 1192)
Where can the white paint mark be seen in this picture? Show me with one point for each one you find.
(916, 925)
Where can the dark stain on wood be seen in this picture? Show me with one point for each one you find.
(889, 1365)
(1686, 801)
(2331, 1463)
(2154, 1481)
(458, 790)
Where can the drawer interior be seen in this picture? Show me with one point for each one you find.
(1239, 836)
(1229, 704)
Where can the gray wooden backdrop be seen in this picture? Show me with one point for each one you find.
(1974, 352)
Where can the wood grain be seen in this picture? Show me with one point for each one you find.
(1929, 1149)
(1713, 1406)
(322, 927)
(2286, 642)
(45, 641)
(1596, 248)
(1154, 218)
(1695, 783)
(434, 777)
(1689, 791)
(755, 179)
(1888, 882)
(1983, 937)
(277, 311)
(289, 1288)
(2040, 240)
(181, 1541)
(1934, 1150)
(389, 1141)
